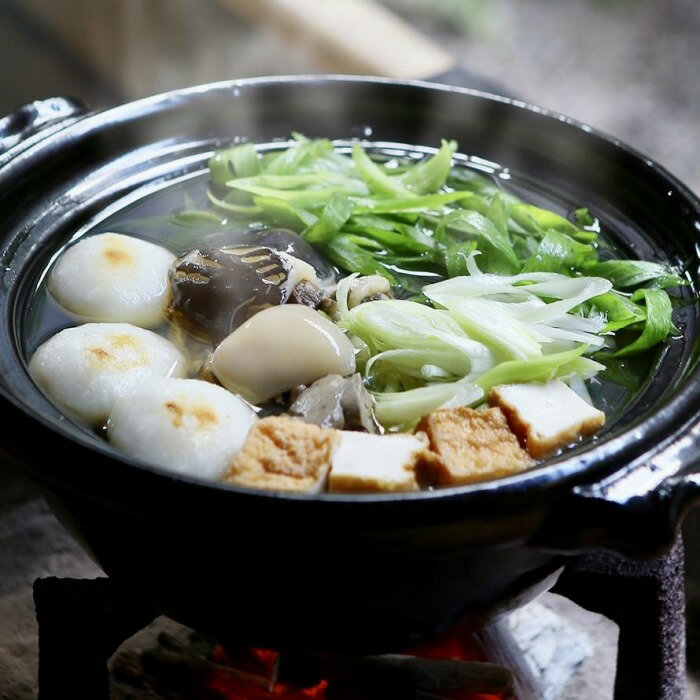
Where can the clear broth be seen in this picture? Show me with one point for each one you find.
(150, 216)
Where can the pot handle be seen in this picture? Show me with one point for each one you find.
(636, 511)
(35, 117)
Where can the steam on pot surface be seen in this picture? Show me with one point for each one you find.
(341, 318)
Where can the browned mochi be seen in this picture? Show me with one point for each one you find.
(117, 351)
(116, 254)
(284, 454)
(471, 446)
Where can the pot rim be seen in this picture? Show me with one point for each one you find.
(669, 418)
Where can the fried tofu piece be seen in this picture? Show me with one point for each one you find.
(283, 454)
(546, 417)
(471, 446)
(365, 462)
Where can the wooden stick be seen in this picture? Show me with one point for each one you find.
(188, 670)
(351, 36)
(397, 672)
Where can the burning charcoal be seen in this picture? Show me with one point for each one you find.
(170, 642)
(192, 677)
(396, 675)
(127, 669)
(201, 644)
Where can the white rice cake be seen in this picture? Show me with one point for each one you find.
(86, 369)
(546, 417)
(185, 425)
(113, 277)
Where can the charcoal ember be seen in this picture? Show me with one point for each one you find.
(397, 676)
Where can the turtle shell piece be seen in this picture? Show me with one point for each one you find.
(215, 290)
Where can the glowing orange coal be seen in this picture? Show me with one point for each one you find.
(251, 673)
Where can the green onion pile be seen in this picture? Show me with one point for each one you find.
(525, 293)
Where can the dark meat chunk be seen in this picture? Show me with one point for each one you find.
(306, 293)
(320, 403)
(337, 402)
(358, 406)
(362, 289)
(281, 239)
(329, 306)
(216, 290)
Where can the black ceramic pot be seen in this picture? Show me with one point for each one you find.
(353, 572)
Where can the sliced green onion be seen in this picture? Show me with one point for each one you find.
(620, 311)
(284, 214)
(536, 369)
(242, 209)
(283, 182)
(418, 204)
(461, 224)
(377, 180)
(536, 220)
(430, 174)
(658, 324)
(333, 216)
(402, 410)
(347, 254)
(558, 252)
(245, 160)
(631, 273)
(194, 218)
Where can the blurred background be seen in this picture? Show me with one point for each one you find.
(628, 67)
